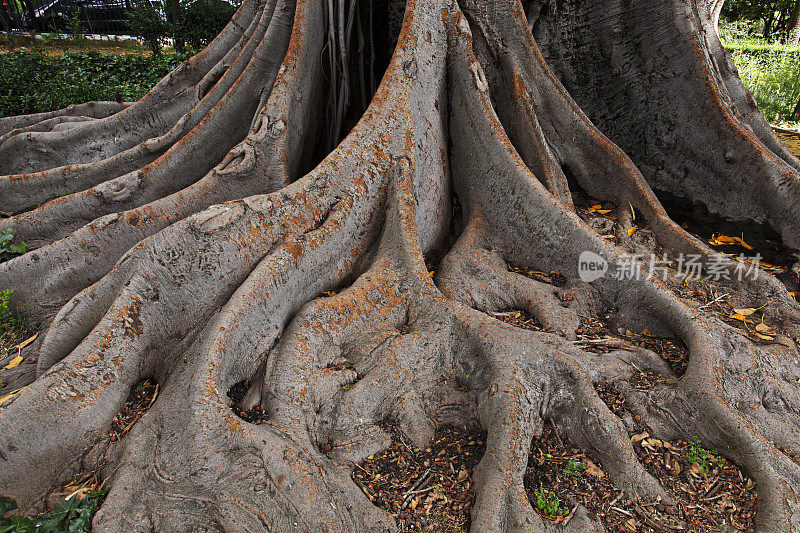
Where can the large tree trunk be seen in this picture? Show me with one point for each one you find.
(203, 237)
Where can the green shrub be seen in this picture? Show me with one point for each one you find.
(202, 20)
(773, 76)
(7, 248)
(574, 468)
(32, 82)
(148, 24)
(71, 515)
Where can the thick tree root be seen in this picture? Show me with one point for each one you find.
(219, 263)
(10, 125)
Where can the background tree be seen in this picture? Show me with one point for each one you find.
(147, 23)
(775, 17)
(205, 237)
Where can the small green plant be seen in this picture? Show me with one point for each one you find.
(8, 319)
(75, 29)
(574, 468)
(462, 381)
(549, 503)
(7, 248)
(71, 515)
(702, 457)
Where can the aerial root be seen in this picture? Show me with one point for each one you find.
(300, 487)
(90, 110)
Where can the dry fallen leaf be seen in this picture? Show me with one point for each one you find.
(13, 363)
(25, 342)
(764, 337)
(593, 470)
(765, 329)
(4, 399)
(746, 311)
(639, 437)
(737, 316)
(632, 230)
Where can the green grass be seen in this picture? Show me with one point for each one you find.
(770, 70)
(33, 82)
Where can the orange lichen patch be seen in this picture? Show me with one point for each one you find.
(234, 425)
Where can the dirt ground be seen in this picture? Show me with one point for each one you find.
(791, 140)
(55, 45)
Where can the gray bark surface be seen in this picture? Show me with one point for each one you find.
(200, 239)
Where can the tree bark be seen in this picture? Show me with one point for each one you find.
(714, 12)
(202, 238)
(793, 27)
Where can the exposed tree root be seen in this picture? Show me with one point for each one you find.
(219, 262)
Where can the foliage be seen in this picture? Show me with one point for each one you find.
(771, 71)
(574, 468)
(32, 82)
(8, 321)
(7, 248)
(702, 457)
(75, 29)
(549, 503)
(71, 515)
(148, 23)
(202, 20)
(770, 18)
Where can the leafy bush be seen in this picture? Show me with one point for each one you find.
(773, 76)
(148, 23)
(7, 248)
(71, 515)
(202, 20)
(32, 82)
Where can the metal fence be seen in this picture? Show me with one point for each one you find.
(97, 17)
